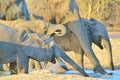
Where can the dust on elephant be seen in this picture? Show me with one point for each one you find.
(66, 12)
(39, 26)
(13, 9)
(18, 45)
(99, 36)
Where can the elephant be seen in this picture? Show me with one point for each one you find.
(19, 44)
(13, 9)
(99, 36)
(39, 26)
(66, 12)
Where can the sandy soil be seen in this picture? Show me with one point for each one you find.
(101, 55)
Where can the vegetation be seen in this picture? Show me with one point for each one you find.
(106, 11)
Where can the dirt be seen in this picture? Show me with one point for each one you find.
(46, 75)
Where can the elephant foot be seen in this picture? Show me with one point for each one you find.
(101, 70)
(108, 73)
(65, 68)
(95, 70)
(112, 68)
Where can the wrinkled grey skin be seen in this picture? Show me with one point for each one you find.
(13, 9)
(69, 16)
(98, 35)
(18, 45)
(38, 26)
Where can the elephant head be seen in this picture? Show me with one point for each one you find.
(57, 29)
(67, 12)
(43, 48)
(101, 39)
(38, 26)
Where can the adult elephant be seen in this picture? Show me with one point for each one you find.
(19, 44)
(13, 9)
(66, 12)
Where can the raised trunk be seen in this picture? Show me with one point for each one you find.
(59, 28)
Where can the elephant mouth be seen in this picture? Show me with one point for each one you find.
(100, 46)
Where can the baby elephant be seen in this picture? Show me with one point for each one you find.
(18, 45)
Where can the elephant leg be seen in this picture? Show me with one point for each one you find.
(79, 30)
(108, 47)
(38, 65)
(10, 67)
(22, 63)
(33, 64)
(66, 58)
(62, 64)
(13, 68)
(79, 55)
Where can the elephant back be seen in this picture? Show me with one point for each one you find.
(9, 34)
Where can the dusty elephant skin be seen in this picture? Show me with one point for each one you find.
(13, 9)
(39, 26)
(99, 36)
(66, 12)
(19, 45)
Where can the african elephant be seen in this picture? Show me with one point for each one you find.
(67, 12)
(13, 9)
(99, 36)
(39, 26)
(18, 45)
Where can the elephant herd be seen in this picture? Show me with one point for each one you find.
(46, 40)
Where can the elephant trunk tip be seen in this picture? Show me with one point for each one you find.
(57, 29)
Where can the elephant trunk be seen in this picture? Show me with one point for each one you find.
(107, 45)
(60, 53)
(77, 27)
(58, 29)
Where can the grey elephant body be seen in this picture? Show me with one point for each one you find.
(18, 45)
(38, 26)
(66, 12)
(13, 9)
(97, 34)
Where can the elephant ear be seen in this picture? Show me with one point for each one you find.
(24, 36)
